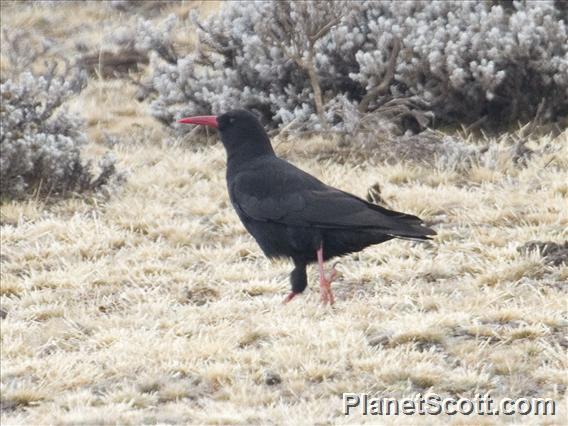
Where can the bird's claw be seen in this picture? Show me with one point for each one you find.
(325, 287)
(326, 294)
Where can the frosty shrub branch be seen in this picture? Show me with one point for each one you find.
(336, 65)
(40, 140)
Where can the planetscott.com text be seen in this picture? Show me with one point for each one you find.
(433, 404)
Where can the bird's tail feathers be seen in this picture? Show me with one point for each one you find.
(412, 229)
(420, 239)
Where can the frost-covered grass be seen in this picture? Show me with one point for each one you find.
(156, 306)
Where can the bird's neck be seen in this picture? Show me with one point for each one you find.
(247, 152)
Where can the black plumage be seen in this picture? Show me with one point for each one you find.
(291, 213)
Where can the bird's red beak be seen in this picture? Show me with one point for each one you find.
(208, 120)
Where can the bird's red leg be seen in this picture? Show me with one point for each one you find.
(325, 282)
(290, 296)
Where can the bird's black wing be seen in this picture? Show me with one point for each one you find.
(279, 192)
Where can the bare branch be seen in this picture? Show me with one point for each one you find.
(387, 79)
(325, 29)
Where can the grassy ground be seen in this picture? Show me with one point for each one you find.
(155, 306)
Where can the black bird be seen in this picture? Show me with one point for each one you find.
(291, 213)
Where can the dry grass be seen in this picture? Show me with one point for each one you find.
(155, 306)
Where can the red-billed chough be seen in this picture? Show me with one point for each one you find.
(291, 213)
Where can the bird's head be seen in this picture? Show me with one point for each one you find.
(240, 130)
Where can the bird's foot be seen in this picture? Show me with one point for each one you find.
(325, 287)
(290, 296)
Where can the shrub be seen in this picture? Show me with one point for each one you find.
(470, 61)
(315, 65)
(40, 140)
